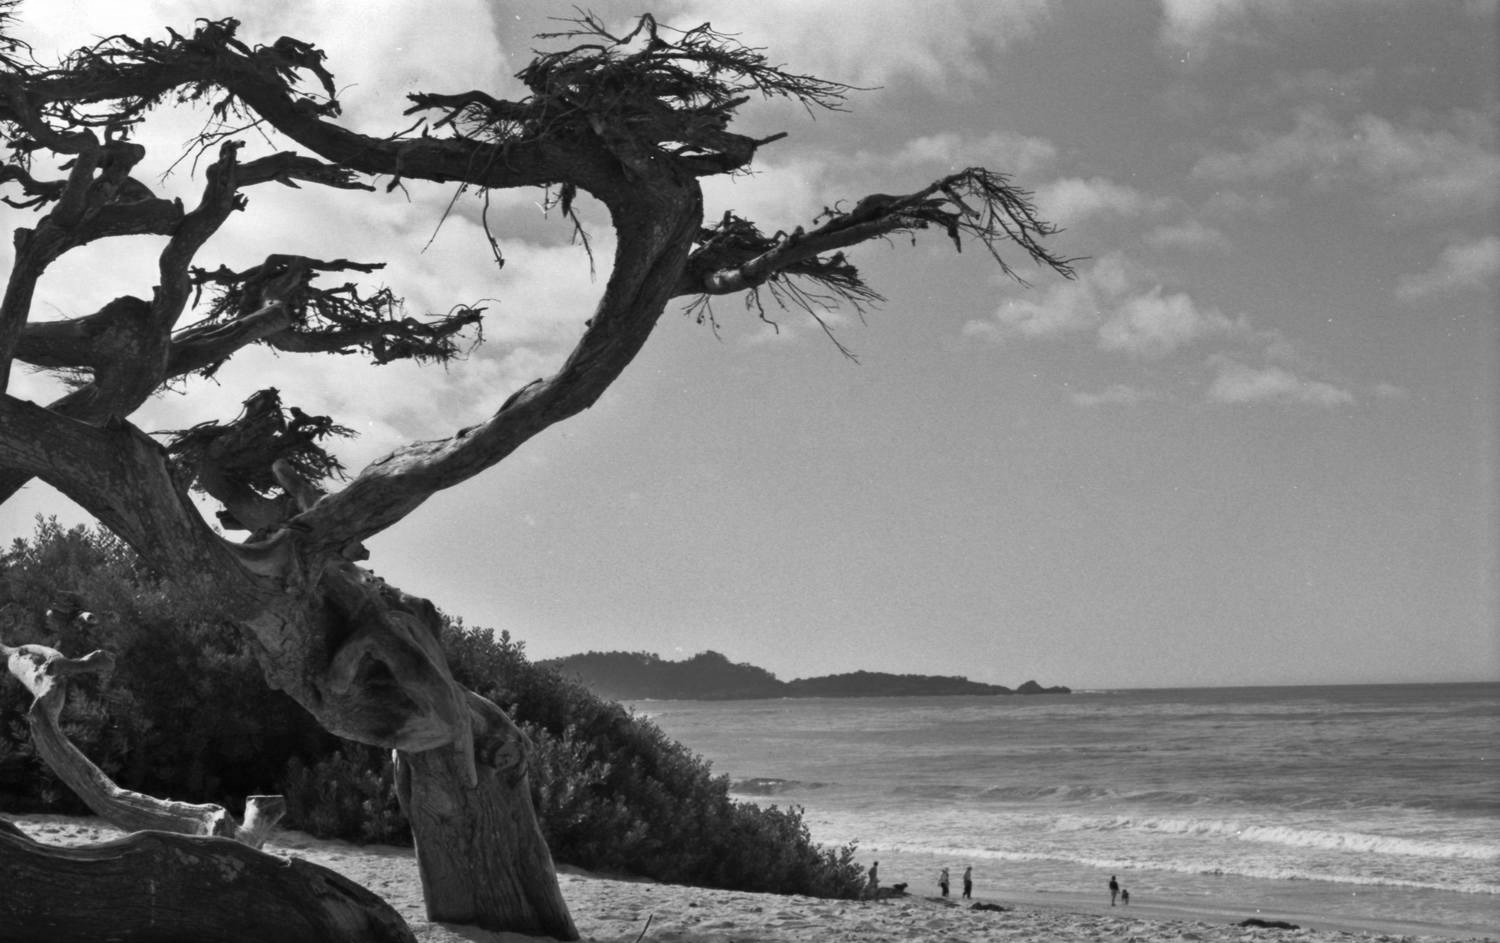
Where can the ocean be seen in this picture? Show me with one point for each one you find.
(1358, 805)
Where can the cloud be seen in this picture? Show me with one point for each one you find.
(1070, 200)
(1461, 266)
(1202, 26)
(1015, 154)
(1117, 395)
(788, 189)
(1065, 308)
(1414, 173)
(1126, 309)
(1198, 27)
(940, 43)
(1237, 383)
(1119, 302)
(1154, 324)
(376, 58)
(1192, 235)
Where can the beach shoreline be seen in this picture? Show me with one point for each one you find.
(612, 909)
(1008, 888)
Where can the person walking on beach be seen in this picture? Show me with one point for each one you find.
(943, 882)
(874, 880)
(968, 882)
(1124, 897)
(1114, 890)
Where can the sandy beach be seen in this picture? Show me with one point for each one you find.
(614, 909)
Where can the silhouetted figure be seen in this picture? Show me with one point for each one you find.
(1114, 890)
(1125, 897)
(968, 882)
(943, 882)
(875, 880)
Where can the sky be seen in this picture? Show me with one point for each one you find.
(1253, 442)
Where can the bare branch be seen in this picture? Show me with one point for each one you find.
(340, 319)
(734, 255)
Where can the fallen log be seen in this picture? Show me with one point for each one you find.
(162, 887)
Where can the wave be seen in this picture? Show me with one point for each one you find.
(770, 786)
(1287, 835)
(1247, 868)
(1248, 799)
(1058, 793)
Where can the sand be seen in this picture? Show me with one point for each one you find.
(614, 909)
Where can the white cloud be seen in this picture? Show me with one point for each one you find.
(1065, 308)
(377, 55)
(1191, 234)
(875, 42)
(1413, 172)
(1067, 201)
(1117, 300)
(1461, 266)
(1015, 154)
(1127, 310)
(1154, 324)
(1194, 28)
(1195, 24)
(789, 190)
(1236, 382)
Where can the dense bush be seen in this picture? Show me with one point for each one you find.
(615, 792)
(186, 715)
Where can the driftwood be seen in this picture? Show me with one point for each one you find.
(45, 673)
(161, 887)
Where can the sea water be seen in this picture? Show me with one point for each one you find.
(1367, 804)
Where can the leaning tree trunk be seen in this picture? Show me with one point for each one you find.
(480, 850)
(368, 661)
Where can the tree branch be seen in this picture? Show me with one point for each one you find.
(735, 256)
(45, 673)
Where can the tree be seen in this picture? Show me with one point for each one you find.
(633, 120)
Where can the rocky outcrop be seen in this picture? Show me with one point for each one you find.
(1031, 687)
(710, 676)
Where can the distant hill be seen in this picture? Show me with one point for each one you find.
(710, 676)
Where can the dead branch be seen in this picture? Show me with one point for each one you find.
(45, 673)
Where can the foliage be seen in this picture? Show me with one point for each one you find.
(347, 793)
(187, 715)
(615, 793)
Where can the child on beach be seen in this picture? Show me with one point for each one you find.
(968, 882)
(1124, 897)
(943, 882)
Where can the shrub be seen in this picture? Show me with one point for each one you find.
(347, 794)
(615, 793)
(186, 713)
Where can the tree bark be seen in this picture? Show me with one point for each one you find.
(151, 887)
(480, 850)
